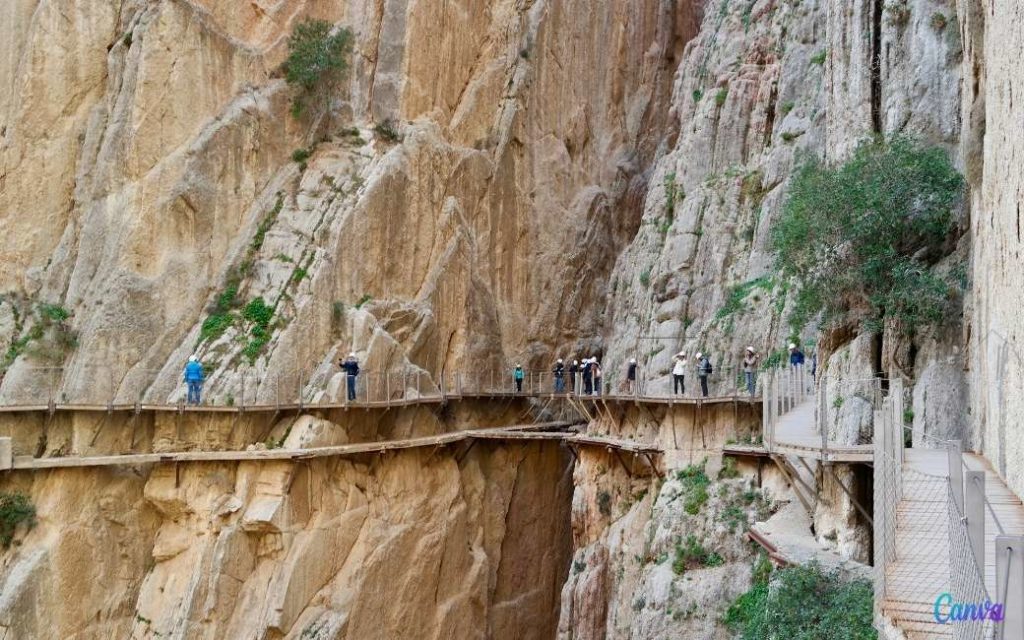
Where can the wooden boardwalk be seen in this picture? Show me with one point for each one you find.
(921, 569)
(796, 434)
(432, 399)
(552, 431)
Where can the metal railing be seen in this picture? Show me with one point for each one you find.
(324, 385)
(959, 528)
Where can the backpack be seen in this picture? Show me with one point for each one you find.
(710, 368)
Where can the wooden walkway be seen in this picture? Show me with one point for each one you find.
(921, 569)
(796, 434)
(377, 404)
(551, 431)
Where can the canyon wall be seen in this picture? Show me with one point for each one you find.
(412, 544)
(993, 141)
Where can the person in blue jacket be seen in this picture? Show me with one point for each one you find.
(194, 377)
(796, 356)
(351, 368)
(517, 375)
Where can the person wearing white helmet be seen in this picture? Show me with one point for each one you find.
(517, 375)
(574, 377)
(588, 377)
(704, 369)
(595, 370)
(351, 368)
(631, 377)
(559, 373)
(750, 369)
(194, 377)
(796, 356)
(679, 374)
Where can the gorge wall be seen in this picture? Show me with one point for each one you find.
(569, 178)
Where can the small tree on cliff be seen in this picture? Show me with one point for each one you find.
(317, 63)
(859, 239)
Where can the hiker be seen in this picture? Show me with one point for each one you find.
(559, 372)
(194, 377)
(518, 377)
(704, 369)
(814, 367)
(796, 356)
(574, 372)
(595, 367)
(679, 374)
(631, 376)
(750, 370)
(351, 368)
(588, 380)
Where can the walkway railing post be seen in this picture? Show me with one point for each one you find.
(1010, 585)
(766, 379)
(974, 510)
(822, 414)
(882, 525)
(956, 478)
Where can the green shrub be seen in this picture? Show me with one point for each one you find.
(387, 130)
(258, 312)
(938, 21)
(738, 294)
(301, 155)
(53, 312)
(729, 469)
(695, 483)
(645, 278)
(818, 58)
(788, 136)
(787, 107)
(604, 502)
(215, 325)
(858, 239)
(127, 39)
(697, 95)
(15, 509)
(317, 62)
(693, 555)
(803, 603)
(720, 97)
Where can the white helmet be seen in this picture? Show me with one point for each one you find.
(193, 359)
(700, 355)
(681, 354)
(750, 349)
(792, 345)
(559, 361)
(632, 361)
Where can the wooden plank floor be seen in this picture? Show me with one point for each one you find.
(797, 435)
(546, 431)
(378, 404)
(921, 569)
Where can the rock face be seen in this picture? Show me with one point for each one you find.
(993, 138)
(411, 545)
(562, 178)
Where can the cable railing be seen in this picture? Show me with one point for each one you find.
(322, 385)
(941, 503)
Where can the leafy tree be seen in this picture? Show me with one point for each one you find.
(860, 238)
(317, 62)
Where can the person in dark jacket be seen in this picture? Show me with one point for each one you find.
(595, 371)
(796, 356)
(574, 372)
(559, 373)
(631, 376)
(194, 377)
(703, 371)
(351, 368)
(588, 380)
(518, 376)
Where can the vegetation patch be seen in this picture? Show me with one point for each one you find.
(819, 58)
(802, 602)
(859, 239)
(694, 481)
(691, 554)
(15, 510)
(720, 97)
(316, 64)
(387, 130)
